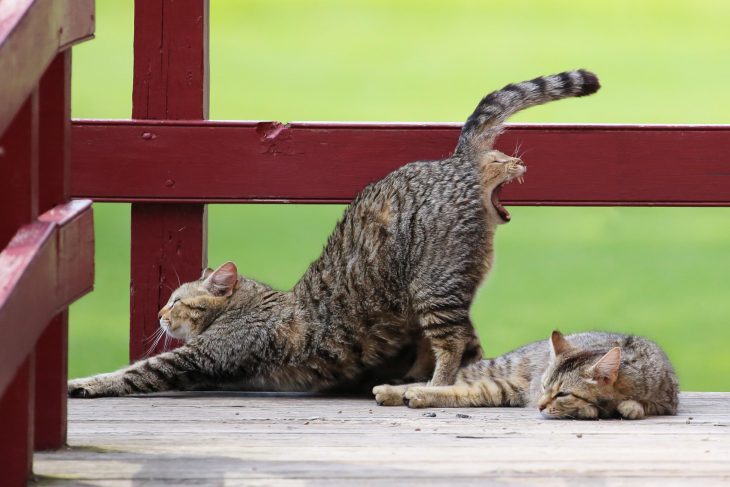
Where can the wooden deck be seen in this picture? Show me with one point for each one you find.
(291, 439)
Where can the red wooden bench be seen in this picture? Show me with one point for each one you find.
(169, 162)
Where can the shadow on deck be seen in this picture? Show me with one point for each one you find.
(294, 439)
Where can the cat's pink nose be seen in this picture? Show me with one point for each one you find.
(541, 407)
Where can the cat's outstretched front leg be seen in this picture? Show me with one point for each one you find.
(459, 395)
(175, 370)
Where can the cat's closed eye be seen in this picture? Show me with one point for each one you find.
(561, 394)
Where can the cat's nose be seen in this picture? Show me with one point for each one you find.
(541, 407)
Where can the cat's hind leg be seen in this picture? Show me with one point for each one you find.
(388, 395)
(450, 332)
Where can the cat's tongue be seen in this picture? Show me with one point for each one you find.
(498, 204)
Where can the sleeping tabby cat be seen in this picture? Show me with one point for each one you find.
(388, 298)
(582, 376)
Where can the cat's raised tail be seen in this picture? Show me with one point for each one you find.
(485, 124)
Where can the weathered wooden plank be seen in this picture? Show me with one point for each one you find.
(31, 33)
(251, 439)
(169, 242)
(227, 162)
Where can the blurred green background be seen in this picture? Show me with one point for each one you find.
(660, 272)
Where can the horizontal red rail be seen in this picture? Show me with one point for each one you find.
(48, 264)
(32, 32)
(229, 162)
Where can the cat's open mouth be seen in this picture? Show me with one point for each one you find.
(501, 210)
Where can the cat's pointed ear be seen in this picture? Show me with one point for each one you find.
(558, 343)
(605, 370)
(206, 272)
(221, 281)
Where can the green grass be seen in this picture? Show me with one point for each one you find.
(661, 272)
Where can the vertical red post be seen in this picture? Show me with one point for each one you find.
(170, 82)
(19, 202)
(53, 165)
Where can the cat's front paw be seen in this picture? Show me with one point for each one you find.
(85, 388)
(388, 395)
(417, 397)
(630, 410)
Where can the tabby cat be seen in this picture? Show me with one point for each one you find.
(388, 298)
(582, 376)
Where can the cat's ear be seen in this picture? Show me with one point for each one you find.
(206, 272)
(605, 370)
(221, 281)
(558, 344)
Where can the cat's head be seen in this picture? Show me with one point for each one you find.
(577, 380)
(195, 305)
(498, 169)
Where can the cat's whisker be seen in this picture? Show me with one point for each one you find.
(177, 275)
(154, 345)
(518, 149)
(156, 334)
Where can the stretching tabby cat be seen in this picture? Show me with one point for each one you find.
(582, 376)
(396, 279)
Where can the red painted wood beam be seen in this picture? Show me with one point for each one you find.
(31, 33)
(240, 162)
(52, 257)
(169, 242)
(19, 206)
(54, 170)
(16, 419)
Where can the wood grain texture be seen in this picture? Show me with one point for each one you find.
(53, 185)
(51, 372)
(16, 424)
(169, 247)
(31, 33)
(293, 439)
(170, 82)
(227, 162)
(51, 257)
(19, 171)
(170, 59)
(18, 207)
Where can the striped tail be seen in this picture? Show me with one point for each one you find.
(485, 124)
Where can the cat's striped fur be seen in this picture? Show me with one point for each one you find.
(388, 298)
(582, 376)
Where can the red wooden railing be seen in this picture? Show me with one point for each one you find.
(169, 162)
(47, 241)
